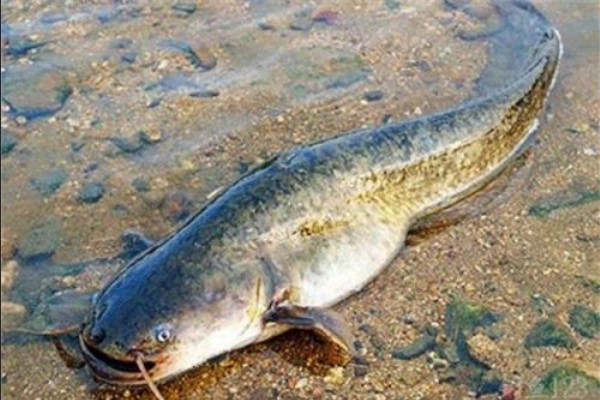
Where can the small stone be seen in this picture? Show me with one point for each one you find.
(204, 93)
(462, 317)
(302, 382)
(490, 384)
(8, 141)
(9, 273)
(141, 185)
(205, 59)
(129, 57)
(120, 43)
(41, 241)
(568, 379)
(184, 8)
(8, 245)
(374, 95)
(392, 4)
(127, 146)
(154, 102)
(266, 26)
(327, 17)
(49, 181)
(360, 370)
(13, 314)
(176, 206)
(150, 136)
(91, 192)
(302, 24)
(485, 350)
(585, 321)
(35, 91)
(547, 333)
(436, 362)
(201, 57)
(335, 376)
(21, 120)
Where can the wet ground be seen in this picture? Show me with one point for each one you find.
(132, 115)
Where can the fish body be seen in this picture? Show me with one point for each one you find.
(304, 231)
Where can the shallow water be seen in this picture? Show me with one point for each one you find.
(136, 114)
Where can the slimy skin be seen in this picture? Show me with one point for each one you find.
(304, 231)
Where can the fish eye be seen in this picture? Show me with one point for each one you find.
(162, 333)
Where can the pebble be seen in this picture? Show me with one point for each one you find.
(120, 43)
(41, 241)
(266, 26)
(302, 24)
(9, 273)
(204, 93)
(201, 58)
(91, 192)
(585, 321)
(184, 8)
(437, 362)
(546, 333)
(129, 57)
(126, 145)
(13, 314)
(374, 95)
(141, 185)
(8, 245)
(176, 206)
(302, 382)
(485, 350)
(150, 136)
(8, 141)
(49, 181)
(35, 91)
(465, 317)
(335, 376)
(565, 380)
(327, 17)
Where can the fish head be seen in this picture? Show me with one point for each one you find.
(171, 320)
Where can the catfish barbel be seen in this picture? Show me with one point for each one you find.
(309, 228)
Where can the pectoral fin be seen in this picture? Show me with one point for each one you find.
(326, 323)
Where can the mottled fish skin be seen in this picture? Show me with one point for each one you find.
(323, 219)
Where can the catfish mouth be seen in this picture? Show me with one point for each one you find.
(109, 369)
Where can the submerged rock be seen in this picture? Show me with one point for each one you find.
(567, 379)
(585, 321)
(36, 91)
(41, 241)
(463, 317)
(91, 192)
(200, 58)
(9, 141)
(13, 314)
(176, 206)
(546, 333)
(49, 181)
(184, 8)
